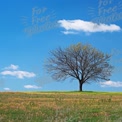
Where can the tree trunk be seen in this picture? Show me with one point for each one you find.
(80, 86)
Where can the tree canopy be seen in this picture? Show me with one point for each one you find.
(79, 61)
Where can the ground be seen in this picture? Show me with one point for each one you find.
(60, 107)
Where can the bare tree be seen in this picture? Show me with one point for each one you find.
(81, 61)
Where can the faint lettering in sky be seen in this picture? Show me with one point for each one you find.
(107, 11)
(116, 60)
(41, 20)
(2, 82)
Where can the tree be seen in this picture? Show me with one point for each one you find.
(79, 61)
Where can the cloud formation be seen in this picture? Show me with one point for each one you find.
(12, 67)
(69, 32)
(111, 84)
(7, 89)
(31, 87)
(12, 71)
(74, 26)
(19, 74)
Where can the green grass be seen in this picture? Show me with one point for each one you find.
(60, 106)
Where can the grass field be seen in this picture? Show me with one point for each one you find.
(60, 107)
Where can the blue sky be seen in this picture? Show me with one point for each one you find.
(30, 29)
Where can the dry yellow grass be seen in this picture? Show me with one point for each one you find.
(60, 107)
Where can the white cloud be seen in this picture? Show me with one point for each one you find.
(7, 89)
(111, 84)
(71, 26)
(31, 87)
(19, 74)
(12, 70)
(12, 67)
(69, 32)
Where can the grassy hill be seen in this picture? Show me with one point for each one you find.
(60, 107)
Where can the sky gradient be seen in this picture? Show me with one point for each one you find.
(31, 29)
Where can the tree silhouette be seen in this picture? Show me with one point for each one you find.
(79, 61)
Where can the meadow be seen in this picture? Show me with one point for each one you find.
(60, 107)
